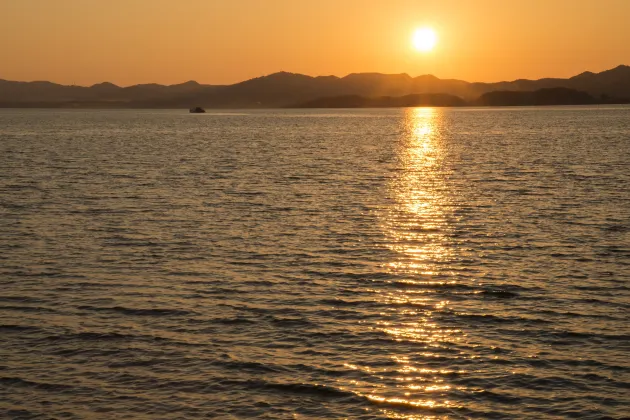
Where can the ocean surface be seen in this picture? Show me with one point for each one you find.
(327, 264)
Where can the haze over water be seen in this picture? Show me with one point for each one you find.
(400, 263)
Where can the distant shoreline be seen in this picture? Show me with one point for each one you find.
(357, 90)
(122, 108)
(541, 97)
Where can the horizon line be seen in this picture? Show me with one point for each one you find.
(299, 74)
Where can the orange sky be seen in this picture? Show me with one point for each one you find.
(225, 41)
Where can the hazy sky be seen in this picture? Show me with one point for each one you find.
(225, 41)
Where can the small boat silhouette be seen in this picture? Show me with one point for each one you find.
(197, 110)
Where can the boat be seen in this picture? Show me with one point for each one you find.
(197, 110)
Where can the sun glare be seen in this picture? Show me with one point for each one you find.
(424, 39)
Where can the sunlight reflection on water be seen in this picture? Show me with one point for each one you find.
(416, 226)
(416, 222)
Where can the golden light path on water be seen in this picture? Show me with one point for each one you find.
(415, 226)
(417, 221)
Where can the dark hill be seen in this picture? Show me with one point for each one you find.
(285, 89)
(549, 96)
(356, 101)
(23, 93)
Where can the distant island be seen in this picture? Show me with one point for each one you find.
(358, 90)
(541, 97)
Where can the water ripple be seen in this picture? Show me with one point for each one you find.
(403, 264)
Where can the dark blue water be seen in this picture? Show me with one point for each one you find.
(404, 263)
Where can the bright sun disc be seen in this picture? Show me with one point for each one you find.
(424, 39)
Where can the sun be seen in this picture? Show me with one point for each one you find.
(424, 39)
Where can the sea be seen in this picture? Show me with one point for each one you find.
(418, 263)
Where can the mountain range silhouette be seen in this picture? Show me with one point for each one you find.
(290, 89)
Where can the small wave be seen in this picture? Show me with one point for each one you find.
(440, 285)
(25, 299)
(234, 321)
(499, 294)
(616, 228)
(589, 363)
(21, 413)
(134, 363)
(90, 336)
(17, 328)
(292, 322)
(586, 336)
(138, 311)
(19, 382)
(493, 319)
(600, 288)
(297, 388)
(33, 309)
(255, 367)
